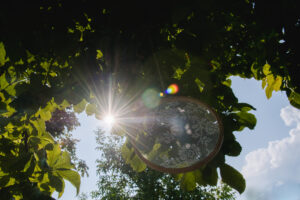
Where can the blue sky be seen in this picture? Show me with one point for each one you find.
(270, 157)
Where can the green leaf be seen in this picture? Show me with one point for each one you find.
(20, 62)
(153, 153)
(9, 127)
(11, 90)
(227, 83)
(131, 158)
(233, 178)
(3, 82)
(126, 152)
(72, 176)
(64, 161)
(64, 104)
(199, 177)
(269, 91)
(3, 60)
(232, 149)
(210, 175)
(53, 155)
(90, 109)
(39, 124)
(4, 179)
(2, 107)
(200, 84)
(294, 99)
(57, 183)
(277, 83)
(246, 119)
(99, 54)
(53, 74)
(45, 65)
(30, 57)
(45, 114)
(270, 84)
(266, 69)
(188, 181)
(263, 83)
(178, 73)
(254, 70)
(79, 108)
(12, 73)
(137, 164)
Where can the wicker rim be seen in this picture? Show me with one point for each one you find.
(197, 165)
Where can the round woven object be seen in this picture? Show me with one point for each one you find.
(179, 135)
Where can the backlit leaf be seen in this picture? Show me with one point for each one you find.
(137, 164)
(188, 181)
(263, 83)
(53, 155)
(39, 124)
(45, 65)
(126, 153)
(99, 54)
(30, 57)
(90, 109)
(277, 84)
(200, 84)
(266, 69)
(3, 82)
(79, 108)
(45, 114)
(64, 161)
(3, 58)
(72, 176)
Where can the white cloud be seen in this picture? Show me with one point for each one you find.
(269, 169)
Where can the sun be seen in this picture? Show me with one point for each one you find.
(109, 119)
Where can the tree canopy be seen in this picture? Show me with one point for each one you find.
(57, 54)
(117, 180)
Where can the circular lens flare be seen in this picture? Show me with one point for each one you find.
(109, 119)
(172, 89)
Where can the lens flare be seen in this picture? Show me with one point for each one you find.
(172, 89)
(150, 98)
(109, 119)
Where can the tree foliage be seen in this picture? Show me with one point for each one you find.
(117, 179)
(56, 54)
